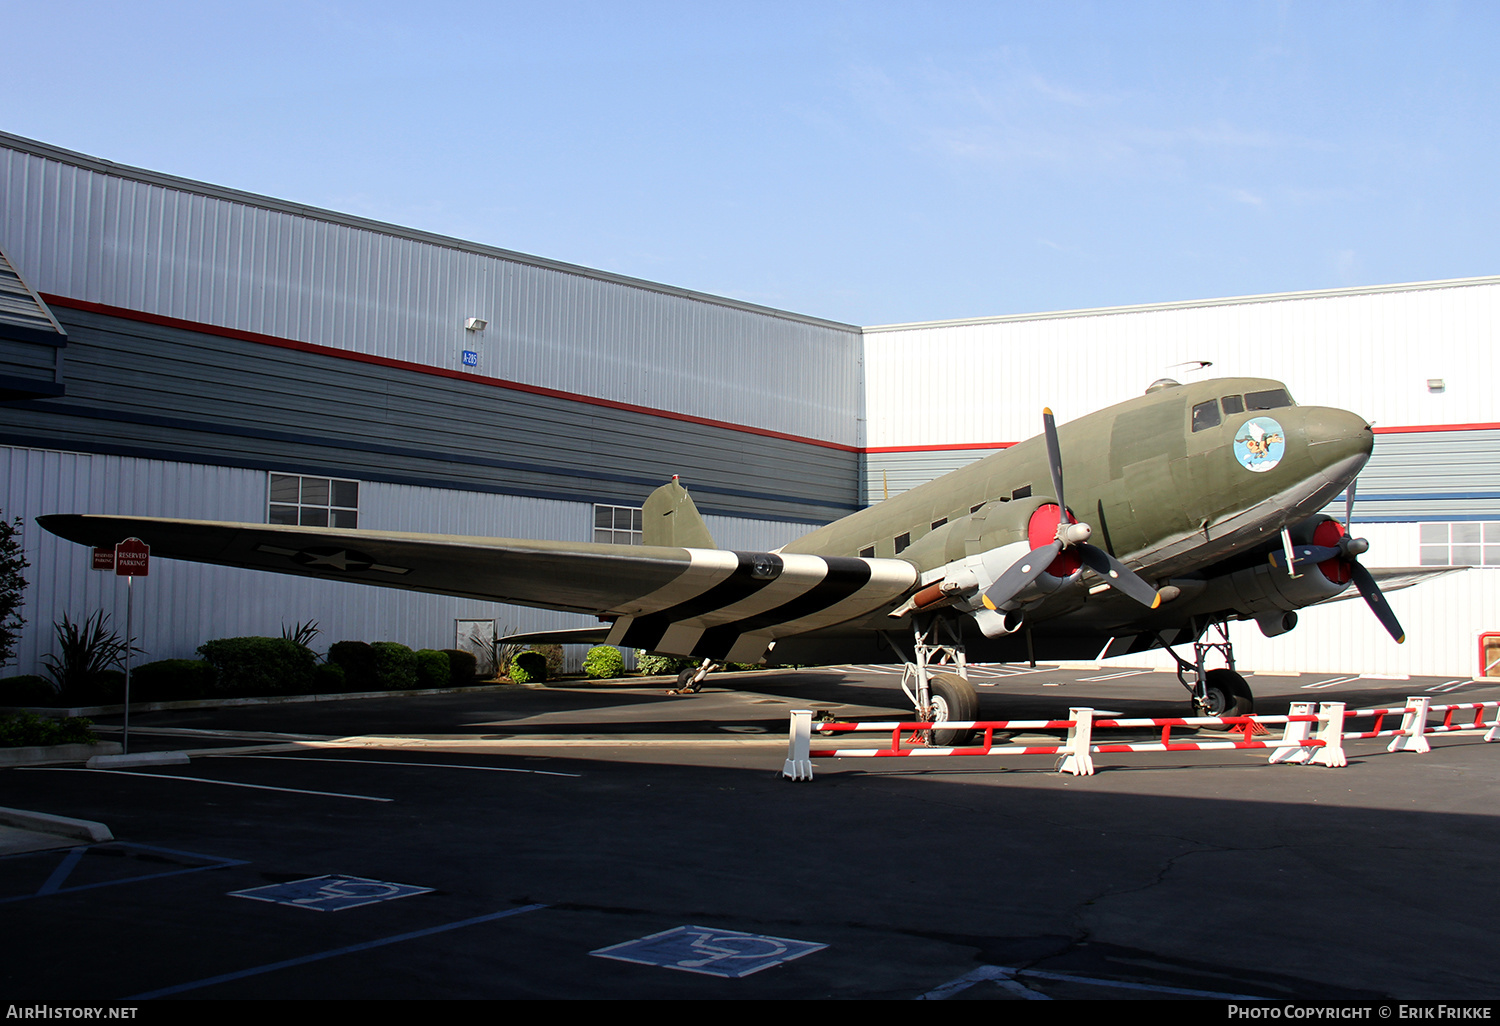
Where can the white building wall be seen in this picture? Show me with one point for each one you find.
(181, 605)
(79, 228)
(1371, 351)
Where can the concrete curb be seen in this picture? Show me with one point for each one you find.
(62, 826)
(37, 755)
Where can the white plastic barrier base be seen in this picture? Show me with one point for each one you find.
(798, 762)
(1079, 761)
(1293, 748)
(1331, 733)
(1413, 724)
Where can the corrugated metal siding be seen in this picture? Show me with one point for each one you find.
(145, 389)
(111, 239)
(1372, 353)
(181, 605)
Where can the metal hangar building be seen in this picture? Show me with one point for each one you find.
(172, 348)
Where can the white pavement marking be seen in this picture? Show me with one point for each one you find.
(1005, 976)
(1330, 682)
(206, 780)
(1113, 676)
(1452, 685)
(392, 762)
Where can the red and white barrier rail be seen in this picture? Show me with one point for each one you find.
(1309, 736)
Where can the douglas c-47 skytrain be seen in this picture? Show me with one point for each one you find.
(1186, 507)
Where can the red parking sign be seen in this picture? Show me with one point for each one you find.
(132, 558)
(104, 559)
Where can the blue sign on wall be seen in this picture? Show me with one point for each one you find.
(471, 358)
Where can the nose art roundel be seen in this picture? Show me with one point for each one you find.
(1260, 444)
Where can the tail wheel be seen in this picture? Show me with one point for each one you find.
(1227, 694)
(953, 698)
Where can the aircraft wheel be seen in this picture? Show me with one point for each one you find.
(1227, 694)
(953, 698)
(685, 681)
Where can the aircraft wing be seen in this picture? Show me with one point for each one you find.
(1395, 578)
(680, 601)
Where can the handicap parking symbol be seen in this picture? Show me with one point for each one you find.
(330, 893)
(698, 949)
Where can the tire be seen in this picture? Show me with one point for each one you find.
(685, 676)
(953, 698)
(1227, 694)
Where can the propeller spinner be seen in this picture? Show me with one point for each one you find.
(1070, 535)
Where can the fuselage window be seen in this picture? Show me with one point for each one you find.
(1271, 399)
(938, 523)
(868, 552)
(1023, 492)
(976, 509)
(902, 541)
(1206, 415)
(1233, 404)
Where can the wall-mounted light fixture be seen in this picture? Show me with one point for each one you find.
(476, 324)
(1436, 385)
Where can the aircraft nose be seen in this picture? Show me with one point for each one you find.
(1338, 439)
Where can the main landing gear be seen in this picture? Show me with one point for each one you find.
(1221, 692)
(939, 695)
(690, 680)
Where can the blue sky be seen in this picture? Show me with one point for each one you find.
(867, 162)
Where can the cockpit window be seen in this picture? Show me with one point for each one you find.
(1206, 415)
(1233, 404)
(1272, 399)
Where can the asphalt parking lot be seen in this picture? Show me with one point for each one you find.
(618, 842)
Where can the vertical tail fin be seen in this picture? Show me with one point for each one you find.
(670, 518)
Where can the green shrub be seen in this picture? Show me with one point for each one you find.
(603, 662)
(24, 729)
(652, 665)
(395, 666)
(259, 666)
(433, 669)
(28, 689)
(528, 668)
(86, 652)
(357, 660)
(329, 679)
(556, 659)
(463, 667)
(172, 680)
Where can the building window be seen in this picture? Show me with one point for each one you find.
(1460, 544)
(617, 525)
(313, 501)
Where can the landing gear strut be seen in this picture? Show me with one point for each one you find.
(1221, 692)
(939, 695)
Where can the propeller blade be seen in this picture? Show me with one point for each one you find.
(1054, 458)
(1349, 503)
(1302, 555)
(1021, 573)
(1119, 576)
(1378, 605)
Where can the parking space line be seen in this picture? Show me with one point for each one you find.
(207, 780)
(1330, 682)
(391, 762)
(54, 884)
(64, 868)
(1005, 976)
(321, 955)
